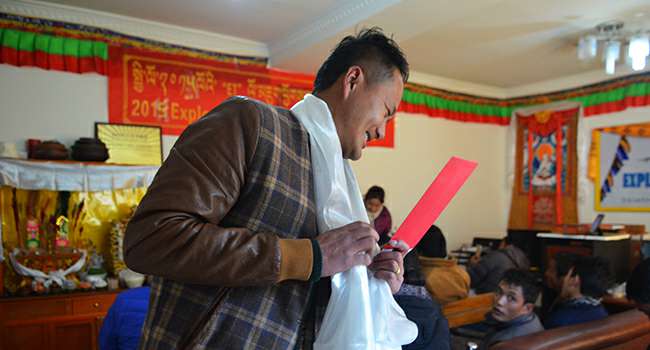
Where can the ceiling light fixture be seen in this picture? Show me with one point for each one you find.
(612, 37)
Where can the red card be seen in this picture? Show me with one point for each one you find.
(443, 188)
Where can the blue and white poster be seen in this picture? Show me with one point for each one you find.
(623, 178)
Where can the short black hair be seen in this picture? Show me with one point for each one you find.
(433, 244)
(412, 270)
(525, 280)
(594, 275)
(638, 285)
(371, 49)
(594, 272)
(564, 262)
(375, 192)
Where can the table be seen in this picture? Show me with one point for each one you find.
(615, 248)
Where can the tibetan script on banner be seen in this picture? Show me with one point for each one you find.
(172, 91)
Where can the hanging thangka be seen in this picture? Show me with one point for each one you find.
(544, 191)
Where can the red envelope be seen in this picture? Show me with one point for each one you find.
(443, 188)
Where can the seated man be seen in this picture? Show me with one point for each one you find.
(582, 281)
(123, 323)
(513, 312)
(637, 288)
(445, 280)
(486, 272)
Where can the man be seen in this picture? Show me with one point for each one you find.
(445, 280)
(123, 323)
(581, 282)
(229, 224)
(513, 312)
(486, 272)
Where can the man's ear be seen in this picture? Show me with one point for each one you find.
(351, 80)
(529, 307)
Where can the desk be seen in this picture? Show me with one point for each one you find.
(615, 305)
(614, 248)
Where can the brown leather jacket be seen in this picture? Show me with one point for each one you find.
(225, 228)
(175, 232)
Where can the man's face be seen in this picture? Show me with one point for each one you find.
(365, 110)
(509, 303)
(550, 276)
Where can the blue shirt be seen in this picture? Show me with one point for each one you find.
(576, 311)
(123, 323)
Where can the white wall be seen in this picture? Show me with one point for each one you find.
(52, 105)
(422, 147)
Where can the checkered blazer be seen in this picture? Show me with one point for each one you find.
(278, 198)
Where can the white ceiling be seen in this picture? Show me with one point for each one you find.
(500, 43)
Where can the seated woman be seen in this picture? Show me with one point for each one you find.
(581, 282)
(445, 280)
(378, 214)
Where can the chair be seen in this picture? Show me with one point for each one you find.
(469, 310)
(628, 330)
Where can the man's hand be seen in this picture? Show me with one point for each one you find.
(389, 265)
(474, 260)
(347, 246)
(570, 286)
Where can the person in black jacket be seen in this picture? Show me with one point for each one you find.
(486, 272)
(637, 288)
(421, 308)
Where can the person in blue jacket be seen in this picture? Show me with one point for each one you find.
(123, 323)
(581, 282)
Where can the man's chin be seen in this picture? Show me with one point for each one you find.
(498, 316)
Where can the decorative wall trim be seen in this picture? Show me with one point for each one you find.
(137, 27)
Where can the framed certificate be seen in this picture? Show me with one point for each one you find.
(130, 143)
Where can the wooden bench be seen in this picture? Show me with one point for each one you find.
(469, 310)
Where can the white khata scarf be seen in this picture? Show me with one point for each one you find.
(361, 313)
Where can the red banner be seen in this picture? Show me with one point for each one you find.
(172, 91)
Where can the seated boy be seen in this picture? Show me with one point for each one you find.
(581, 282)
(513, 312)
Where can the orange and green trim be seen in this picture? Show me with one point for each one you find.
(27, 41)
(23, 48)
(602, 98)
(112, 38)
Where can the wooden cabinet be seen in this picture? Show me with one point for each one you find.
(614, 248)
(69, 322)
